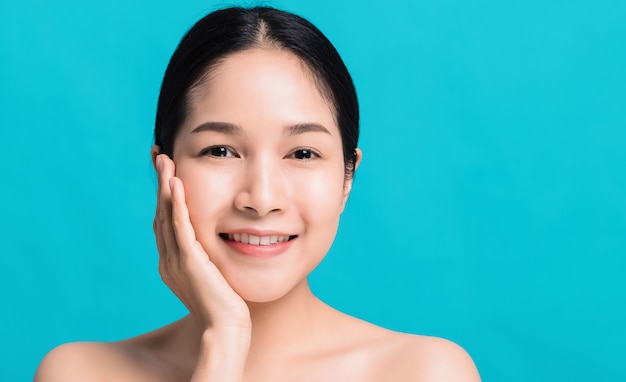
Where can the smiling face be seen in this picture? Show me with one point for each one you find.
(260, 156)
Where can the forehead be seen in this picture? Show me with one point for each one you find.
(262, 85)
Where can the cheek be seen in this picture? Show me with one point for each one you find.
(319, 195)
(205, 193)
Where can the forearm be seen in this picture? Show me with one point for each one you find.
(222, 356)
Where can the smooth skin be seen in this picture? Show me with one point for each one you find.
(259, 153)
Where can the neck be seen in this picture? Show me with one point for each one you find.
(282, 327)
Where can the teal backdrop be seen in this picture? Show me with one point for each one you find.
(490, 207)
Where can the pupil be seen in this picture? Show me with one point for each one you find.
(303, 154)
(218, 151)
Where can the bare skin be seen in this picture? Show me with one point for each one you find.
(252, 314)
(365, 353)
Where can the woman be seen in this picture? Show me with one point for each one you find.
(255, 150)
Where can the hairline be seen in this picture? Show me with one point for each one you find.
(202, 83)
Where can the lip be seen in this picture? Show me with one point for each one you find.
(259, 232)
(258, 251)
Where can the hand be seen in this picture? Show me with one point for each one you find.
(185, 266)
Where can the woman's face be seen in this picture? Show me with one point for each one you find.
(261, 160)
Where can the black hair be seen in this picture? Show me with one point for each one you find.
(232, 30)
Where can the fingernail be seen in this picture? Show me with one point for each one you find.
(159, 163)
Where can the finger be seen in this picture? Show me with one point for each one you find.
(156, 226)
(159, 169)
(183, 230)
(156, 223)
(168, 238)
(191, 251)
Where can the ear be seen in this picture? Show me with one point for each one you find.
(154, 151)
(347, 187)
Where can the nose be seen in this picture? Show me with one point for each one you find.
(263, 188)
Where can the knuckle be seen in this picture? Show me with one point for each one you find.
(162, 217)
(176, 223)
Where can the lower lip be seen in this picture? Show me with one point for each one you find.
(260, 251)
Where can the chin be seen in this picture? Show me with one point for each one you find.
(263, 292)
(266, 285)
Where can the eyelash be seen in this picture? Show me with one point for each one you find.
(212, 151)
(313, 154)
(224, 151)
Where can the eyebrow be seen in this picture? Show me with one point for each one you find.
(219, 127)
(301, 128)
(232, 129)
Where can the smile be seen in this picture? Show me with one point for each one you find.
(246, 238)
(258, 246)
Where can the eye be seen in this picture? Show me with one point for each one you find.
(218, 151)
(304, 154)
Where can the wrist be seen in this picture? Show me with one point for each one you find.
(223, 354)
(225, 339)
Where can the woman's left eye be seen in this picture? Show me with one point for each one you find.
(304, 154)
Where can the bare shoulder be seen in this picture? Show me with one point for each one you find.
(434, 359)
(81, 361)
(397, 356)
(137, 359)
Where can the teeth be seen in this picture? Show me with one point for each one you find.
(257, 240)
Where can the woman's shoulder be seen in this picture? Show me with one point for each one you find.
(80, 361)
(401, 356)
(135, 359)
(434, 359)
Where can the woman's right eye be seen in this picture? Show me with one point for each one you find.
(218, 151)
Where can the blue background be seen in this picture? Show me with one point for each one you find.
(490, 207)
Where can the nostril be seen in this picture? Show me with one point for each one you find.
(259, 203)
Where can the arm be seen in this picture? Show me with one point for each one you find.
(222, 356)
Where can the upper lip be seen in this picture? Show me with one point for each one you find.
(255, 232)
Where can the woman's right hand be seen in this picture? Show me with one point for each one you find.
(188, 271)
